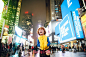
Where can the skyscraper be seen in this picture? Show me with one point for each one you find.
(26, 23)
(53, 10)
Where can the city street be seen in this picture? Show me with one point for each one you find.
(69, 54)
(42, 28)
(57, 54)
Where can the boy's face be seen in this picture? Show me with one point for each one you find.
(41, 31)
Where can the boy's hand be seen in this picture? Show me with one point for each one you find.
(48, 52)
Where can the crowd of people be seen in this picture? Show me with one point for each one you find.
(10, 49)
(43, 44)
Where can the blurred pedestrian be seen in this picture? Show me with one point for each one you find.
(32, 49)
(10, 46)
(43, 42)
(84, 48)
(74, 48)
(18, 49)
(29, 48)
(13, 47)
(63, 48)
(77, 48)
(21, 47)
(69, 48)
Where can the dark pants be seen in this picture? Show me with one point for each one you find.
(43, 53)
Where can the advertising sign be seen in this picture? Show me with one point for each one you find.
(56, 38)
(57, 30)
(69, 5)
(83, 21)
(18, 31)
(66, 29)
(51, 26)
(77, 25)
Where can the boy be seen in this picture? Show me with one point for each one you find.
(43, 42)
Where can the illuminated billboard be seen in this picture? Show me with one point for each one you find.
(77, 25)
(69, 5)
(69, 28)
(65, 29)
(18, 31)
(83, 21)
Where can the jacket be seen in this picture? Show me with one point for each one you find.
(43, 42)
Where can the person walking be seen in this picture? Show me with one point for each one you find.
(63, 48)
(13, 47)
(43, 42)
(21, 45)
(69, 48)
(10, 46)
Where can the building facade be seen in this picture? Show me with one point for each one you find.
(26, 23)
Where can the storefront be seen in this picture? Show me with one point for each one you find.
(6, 38)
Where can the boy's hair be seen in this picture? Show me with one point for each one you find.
(41, 28)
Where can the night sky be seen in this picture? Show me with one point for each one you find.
(38, 8)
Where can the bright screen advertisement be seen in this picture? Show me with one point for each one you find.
(66, 29)
(69, 5)
(69, 28)
(77, 25)
(18, 31)
(83, 21)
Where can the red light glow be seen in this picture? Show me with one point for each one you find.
(32, 14)
(26, 12)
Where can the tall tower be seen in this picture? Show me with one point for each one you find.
(58, 14)
(26, 23)
(18, 13)
(53, 10)
(48, 13)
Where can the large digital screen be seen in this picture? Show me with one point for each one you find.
(69, 5)
(77, 25)
(66, 29)
(83, 21)
(18, 31)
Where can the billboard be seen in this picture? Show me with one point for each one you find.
(69, 5)
(77, 25)
(70, 27)
(52, 25)
(65, 29)
(83, 21)
(18, 31)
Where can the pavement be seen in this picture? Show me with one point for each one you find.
(68, 54)
(55, 54)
